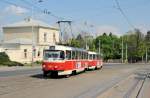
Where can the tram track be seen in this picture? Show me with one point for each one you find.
(97, 90)
(147, 75)
(130, 87)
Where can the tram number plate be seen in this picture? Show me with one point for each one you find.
(78, 65)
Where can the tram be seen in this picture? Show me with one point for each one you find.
(65, 60)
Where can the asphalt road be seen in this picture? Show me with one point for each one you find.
(32, 71)
(29, 83)
(20, 72)
(37, 70)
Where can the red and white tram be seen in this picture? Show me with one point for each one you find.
(64, 60)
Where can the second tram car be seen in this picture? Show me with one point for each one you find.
(94, 60)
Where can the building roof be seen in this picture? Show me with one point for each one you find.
(18, 41)
(29, 22)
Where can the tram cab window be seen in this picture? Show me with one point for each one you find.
(54, 55)
(68, 55)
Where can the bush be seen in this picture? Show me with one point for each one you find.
(4, 60)
(4, 57)
(38, 62)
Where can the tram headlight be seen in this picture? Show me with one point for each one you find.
(55, 66)
(43, 66)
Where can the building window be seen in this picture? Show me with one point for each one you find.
(38, 53)
(45, 37)
(25, 53)
(54, 38)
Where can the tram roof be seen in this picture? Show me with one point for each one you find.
(91, 52)
(61, 47)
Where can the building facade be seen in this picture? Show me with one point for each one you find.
(25, 41)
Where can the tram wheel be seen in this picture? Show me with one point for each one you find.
(45, 73)
(74, 72)
(54, 74)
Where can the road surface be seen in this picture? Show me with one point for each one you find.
(112, 80)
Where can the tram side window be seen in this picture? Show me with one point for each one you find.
(86, 55)
(76, 52)
(73, 54)
(97, 56)
(80, 55)
(68, 55)
(90, 56)
(94, 57)
(62, 55)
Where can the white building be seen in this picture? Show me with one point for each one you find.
(25, 41)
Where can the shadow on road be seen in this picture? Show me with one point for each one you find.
(40, 76)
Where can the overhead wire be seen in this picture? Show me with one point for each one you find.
(11, 3)
(123, 14)
(45, 11)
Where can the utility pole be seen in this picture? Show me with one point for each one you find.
(86, 47)
(122, 49)
(64, 35)
(126, 53)
(99, 47)
(146, 56)
(33, 46)
(33, 34)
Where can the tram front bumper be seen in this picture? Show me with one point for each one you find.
(65, 72)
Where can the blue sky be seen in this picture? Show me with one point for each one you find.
(100, 13)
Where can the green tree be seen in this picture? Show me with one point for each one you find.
(136, 44)
(110, 46)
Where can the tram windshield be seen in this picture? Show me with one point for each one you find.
(53, 55)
